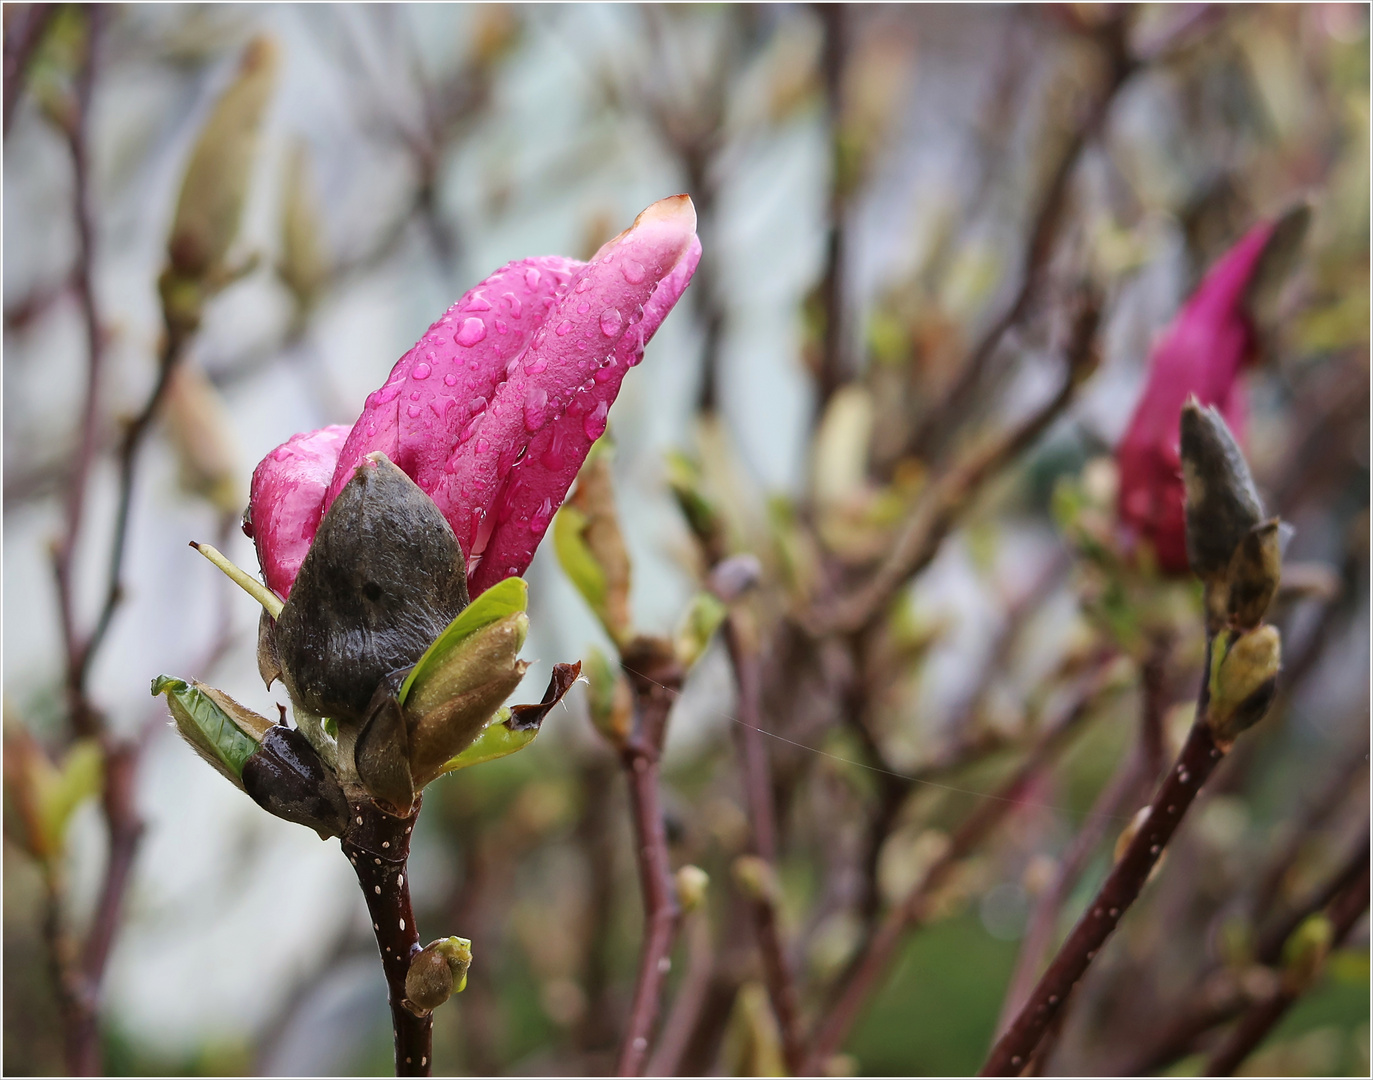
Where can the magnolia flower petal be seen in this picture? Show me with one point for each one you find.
(287, 502)
(1200, 354)
(555, 455)
(564, 384)
(439, 389)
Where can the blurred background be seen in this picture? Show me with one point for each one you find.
(899, 207)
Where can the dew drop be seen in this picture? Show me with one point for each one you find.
(531, 278)
(633, 271)
(470, 429)
(413, 411)
(483, 445)
(594, 424)
(477, 404)
(542, 516)
(605, 372)
(564, 327)
(386, 394)
(502, 327)
(611, 321)
(535, 409)
(535, 365)
(555, 457)
(471, 332)
(583, 285)
(477, 302)
(421, 372)
(583, 308)
(515, 304)
(414, 395)
(450, 379)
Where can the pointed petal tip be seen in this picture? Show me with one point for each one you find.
(677, 210)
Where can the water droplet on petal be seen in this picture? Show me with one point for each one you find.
(594, 424)
(535, 364)
(477, 404)
(542, 516)
(583, 285)
(611, 322)
(583, 308)
(450, 379)
(477, 302)
(564, 327)
(470, 429)
(633, 271)
(386, 394)
(604, 373)
(555, 457)
(483, 445)
(414, 395)
(515, 304)
(471, 332)
(413, 411)
(502, 327)
(535, 409)
(531, 278)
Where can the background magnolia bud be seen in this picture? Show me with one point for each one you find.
(1254, 574)
(692, 883)
(216, 184)
(608, 698)
(1222, 502)
(756, 879)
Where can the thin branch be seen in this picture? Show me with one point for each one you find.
(939, 508)
(781, 983)
(866, 973)
(1345, 910)
(833, 367)
(655, 680)
(1195, 763)
(691, 998)
(26, 31)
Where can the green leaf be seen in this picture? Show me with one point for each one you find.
(62, 790)
(210, 729)
(698, 626)
(497, 740)
(577, 560)
(501, 600)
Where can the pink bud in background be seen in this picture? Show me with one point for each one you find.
(1201, 353)
(494, 410)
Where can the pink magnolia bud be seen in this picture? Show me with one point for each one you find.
(286, 502)
(1201, 353)
(494, 410)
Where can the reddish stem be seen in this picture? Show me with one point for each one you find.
(639, 757)
(1194, 765)
(378, 845)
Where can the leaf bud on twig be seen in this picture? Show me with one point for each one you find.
(692, 883)
(1243, 680)
(437, 972)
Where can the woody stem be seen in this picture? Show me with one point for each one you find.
(378, 845)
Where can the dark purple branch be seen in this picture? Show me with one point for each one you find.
(1198, 758)
(655, 679)
(378, 845)
(866, 973)
(25, 32)
(1345, 910)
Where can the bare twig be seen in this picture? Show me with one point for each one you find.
(1195, 763)
(833, 367)
(866, 972)
(691, 997)
(1345, 909)
(655, 678)
(948, 496)
(758, 793)
(25, 32)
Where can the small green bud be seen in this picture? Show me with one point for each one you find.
(1305, 951)
(1222, 502)
(692, 883)
(218, 728)
(450, 708)
(1243, 680)
(437, 972)
(1253, 575)
(756, 879)
(698, 626)
(608, 698)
